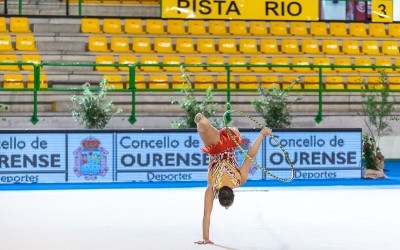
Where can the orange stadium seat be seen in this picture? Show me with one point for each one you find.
(19, 25)
(269, 46)
(13, 81)
(270, 81)
(298, 28)
(358, 29)
(248, 82)
(133, 26)
(318, 29)
(30, 58)
(171, 60)
(290, 46)
(9, 59)
(363, 61)
(238, 27)
(197, 27)
(259, 61)
(163, 45)
(370, 47)
(278, 28)
(3, 25)
(6, 43)
(289, 81)
(25, 43)
(338, 29)
(334, 82)
(158, 82)
(203, 82)
(302, 61)
(216, 60)
(105, 59)
(120, 44)
(343, 61)
(193, 60)
(280, 61)
(90, 25)
(176, 27)
(238, 61)
(311, 82)
(126, 59)
(377, 30)
(394, 30)
(98, 44)
(258, 28)
(310, 46)
(354, 82)
(155, 26)
(150, 60)
(141, 45)
(206, 46)
(114, 81)
(390, 48)
(42, 81)
(248, 46)
(184, 45)
(217, 27)
(330, 47)
(112, 26)
(351, 47)
(227, 46)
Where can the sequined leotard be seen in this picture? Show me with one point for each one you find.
(223, 169)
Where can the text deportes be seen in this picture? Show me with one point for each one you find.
(151, 176)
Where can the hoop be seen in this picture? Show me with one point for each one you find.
(247, 156)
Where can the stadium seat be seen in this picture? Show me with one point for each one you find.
(120, 44)
(377, 30)
(358, 29)
(150, 59)
(215, 60)
(394, 82)
(330, 47)
(206, 46)
(238, 28)
(290, 46)
(9, 59)
(278, 28)
(193, 60)
(298, 28)
(394, 30)
(311, 82)
(176, 27)
(158, 82)
(384, 61)
(172, 60)
(289, 81)
(30, 58)
(354, 82)
(222, 82)
(42, 81)
(19, 25)
(258, 28)
(351, 47)
(141, 45)
(397, 64)
(98, 44)
(114, 81)
(112, 26)
(133, 26)
(217, 27)
(323, 61)
(343, 61)
(90, 25)
(374, 82)
(6, 43)
(371, 47)
(338, 29)
(140, 82)
(334, 82)
(13, 81)
(3, 25)
(280, 61)
(302, 61)
(270, 81)
(238, 61)
(247, 82)
(155, 26)
(390, 48)
(227, 46)
(363, 61)
(178, 82)
(163, 45)
(197, 27)
(248, 46)
(184, 45)
(259, 61)
(318, 29)
(269, 46)
(310, 46)
(203, 82)
(105, 59)
(25, 43)
(127, 59)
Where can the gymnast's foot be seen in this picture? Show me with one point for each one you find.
(198, 117)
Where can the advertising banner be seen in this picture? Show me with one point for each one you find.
(396, 10)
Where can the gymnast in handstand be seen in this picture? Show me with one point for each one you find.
(224, 172)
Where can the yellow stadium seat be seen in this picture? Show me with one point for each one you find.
(168, 60)
(141, 45)
(105, 59)
(338, 29)
(25, 43)
(217, 27)
(323, 61)
(158, 82)
(9, 59)
(163, 45)
(184, 45)
(370, 47)
(363, 61)
(311, 82)
(390, 48)
(269, 46)
(351, 47)
(302, 61)
(19, 25)
(290, 46)
(114, 81)
(140, 82)
(377, 30)
(358, 29)
(6, 43)
(3, 25)
(290, 82)
(133, 26)
(334, 82)
(374, 82)
(270, 81)
(216, 60)
(197, 27)
(178, 82)
(98, 44)
(298, 28)
(203, 82)
(342, 61)
(227, 46)
(13, 81)
(206, 46)
(394, 30)
(42, 81)
(261, 61)
(354, 82)
(310, 46)
(120, 44)
(155, 26)
(176, 27)
(193, 60)
(318, 29)
(238, 28)
(238, 61)
(30, 58)
(112, 26)
(248, 82)
(90, 25)
(127, 59)
(150, 60)
(258, 28)
(385, 61)
(248, 46)
(394, 82)
(330, 47)
(278, 28)
(397, 64)
(280, 61)
(222, 82)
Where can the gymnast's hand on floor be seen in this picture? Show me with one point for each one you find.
(204, 242)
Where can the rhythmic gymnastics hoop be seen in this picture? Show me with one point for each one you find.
(225, 122)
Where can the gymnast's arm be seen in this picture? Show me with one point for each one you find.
(208, 206)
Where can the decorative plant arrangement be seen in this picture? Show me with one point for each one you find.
(274, 105)
(3, 108)
(92, 108)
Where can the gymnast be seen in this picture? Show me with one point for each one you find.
(224, 173)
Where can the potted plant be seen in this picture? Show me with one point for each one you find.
(92, 108)
(3, 107)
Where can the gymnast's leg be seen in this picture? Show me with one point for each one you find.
(208, 133)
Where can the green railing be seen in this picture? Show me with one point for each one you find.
(132, 68)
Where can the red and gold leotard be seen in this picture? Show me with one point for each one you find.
(223, 169)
